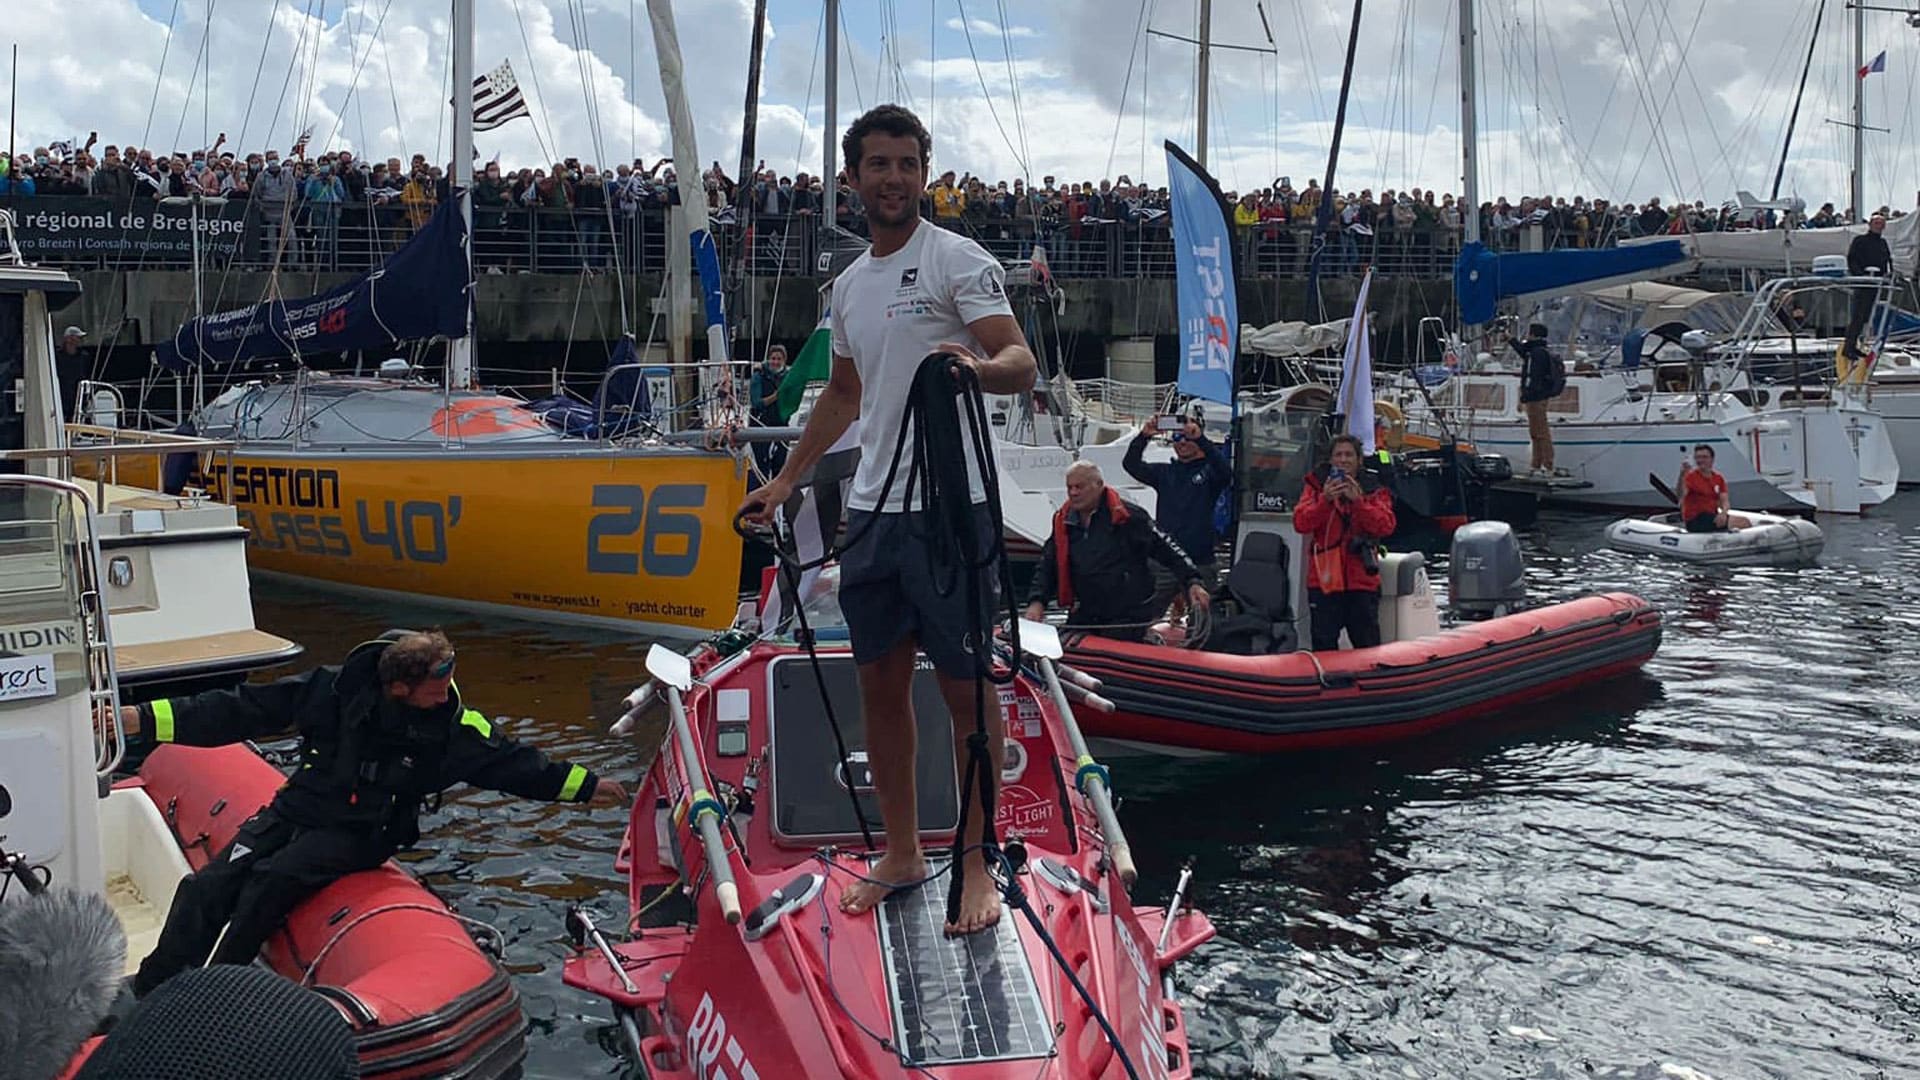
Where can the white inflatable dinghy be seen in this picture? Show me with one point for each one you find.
(1768, 541)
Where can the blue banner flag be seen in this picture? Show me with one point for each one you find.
(1203, 272)
(421, 292)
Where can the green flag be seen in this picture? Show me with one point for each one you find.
(814, 364)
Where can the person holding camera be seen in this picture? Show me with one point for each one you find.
(1185, 491)
(1343, 513)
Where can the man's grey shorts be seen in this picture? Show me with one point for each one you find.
(890, 591)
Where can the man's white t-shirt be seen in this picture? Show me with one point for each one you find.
(889, 312)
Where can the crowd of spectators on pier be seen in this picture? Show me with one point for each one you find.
(313, 190)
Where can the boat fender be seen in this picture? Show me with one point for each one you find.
(788, 898)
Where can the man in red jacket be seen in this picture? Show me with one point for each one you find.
(1343, 513)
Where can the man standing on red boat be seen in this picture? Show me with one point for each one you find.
(918, 290)
(379, 735)
(1343, 513)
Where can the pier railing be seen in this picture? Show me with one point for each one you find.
(88, 233)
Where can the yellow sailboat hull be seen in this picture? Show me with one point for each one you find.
(638, 539)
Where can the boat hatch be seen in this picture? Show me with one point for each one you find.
(807, 782)
(958, 999)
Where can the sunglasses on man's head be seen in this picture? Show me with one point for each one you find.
(444, 668)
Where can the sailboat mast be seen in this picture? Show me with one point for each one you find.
(744, 207)
(1206, 67)
(1813, 42)
(1859, 114)
(1470, 130)
(459, 182)
(830, 127)
(1323, 215)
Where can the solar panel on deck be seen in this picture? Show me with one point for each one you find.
(959, 999)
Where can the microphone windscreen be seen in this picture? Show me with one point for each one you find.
(62, 954)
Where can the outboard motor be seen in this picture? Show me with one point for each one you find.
(1486, 576)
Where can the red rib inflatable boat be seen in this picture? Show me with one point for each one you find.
(1180, 700)
(423, 999)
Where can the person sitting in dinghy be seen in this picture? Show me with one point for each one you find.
(380, 735)
(1343, 512)
(1703, 496)
(1096, 561)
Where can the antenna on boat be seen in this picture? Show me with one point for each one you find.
(460, 183)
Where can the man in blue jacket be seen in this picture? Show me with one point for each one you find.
(1186, 489)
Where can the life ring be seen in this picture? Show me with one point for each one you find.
(1389, 425)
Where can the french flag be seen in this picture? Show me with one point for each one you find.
(1879, 64)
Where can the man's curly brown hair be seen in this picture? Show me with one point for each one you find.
(411, 660)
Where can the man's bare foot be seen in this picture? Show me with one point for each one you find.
(979, 900)
(893, 872)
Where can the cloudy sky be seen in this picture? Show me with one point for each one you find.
(1615, 98)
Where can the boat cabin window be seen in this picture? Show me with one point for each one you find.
(1486, 396)
(1568, 400)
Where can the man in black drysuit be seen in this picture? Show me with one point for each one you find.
(1095, 562)
(1867, 256)
(379, 735)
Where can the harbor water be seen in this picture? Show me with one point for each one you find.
(1707, 870)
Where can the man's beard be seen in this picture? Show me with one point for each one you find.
(909, 210)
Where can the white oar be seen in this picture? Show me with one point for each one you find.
(674, 673)
(1042, 641)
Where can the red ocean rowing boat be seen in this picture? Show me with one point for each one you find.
(424, 1000)
(800, 989)
(1181, 700)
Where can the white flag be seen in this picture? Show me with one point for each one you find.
(1356, 372)
(496, 99)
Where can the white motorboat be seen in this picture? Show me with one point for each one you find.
(175, 573)
(1780, 447)
(1768, 540)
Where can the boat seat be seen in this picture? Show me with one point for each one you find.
(1407, 610)
(1258, 584)
(808, 787)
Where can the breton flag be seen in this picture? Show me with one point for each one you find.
(1879, 64)
(496, 99)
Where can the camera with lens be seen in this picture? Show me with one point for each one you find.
(1367, 552)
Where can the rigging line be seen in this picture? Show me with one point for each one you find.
(1726, 157)
(1583, 153)
(852, 69)
(1655, 142)
(633, 83)
(1673, 92)
(582, 55)
(1013, 80)
(199, 59)
(967, 28)
(159, 75)
(354, 83)
(393, 94)
(533, 74)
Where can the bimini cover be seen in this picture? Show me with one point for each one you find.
(1481, 278)
(1791, 250)
(417, 294)
(1294, 338)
